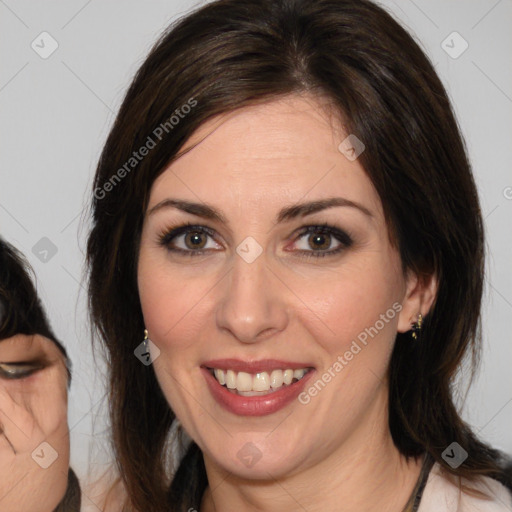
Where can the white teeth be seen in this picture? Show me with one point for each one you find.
(244, 381)
(298, 374)
(261, 382)
(219, 375)
(231, 379)
(276, 378)
(288, 377)
(249, 384)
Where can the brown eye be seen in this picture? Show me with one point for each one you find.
(195, 240)
(319, 241)
(189, 240)
(323, 240)
(18, 370)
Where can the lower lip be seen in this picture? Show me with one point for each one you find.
(255, 405)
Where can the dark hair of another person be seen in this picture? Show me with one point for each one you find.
(231, 54)
(21, 312)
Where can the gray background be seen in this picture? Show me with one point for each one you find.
(55, 114)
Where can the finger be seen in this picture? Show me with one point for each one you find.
(6, 447)
(17, 423)
(46, 402)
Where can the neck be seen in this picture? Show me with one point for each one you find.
(366, 473)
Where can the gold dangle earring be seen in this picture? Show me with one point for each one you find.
(416, 328)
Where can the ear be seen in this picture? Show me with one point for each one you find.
(419, 297)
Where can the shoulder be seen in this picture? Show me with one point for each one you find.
(445, 493)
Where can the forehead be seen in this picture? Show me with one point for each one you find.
(279, 124)
(281, 150)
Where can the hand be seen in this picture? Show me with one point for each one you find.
(33, 410)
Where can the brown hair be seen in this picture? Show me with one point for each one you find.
(230, 54)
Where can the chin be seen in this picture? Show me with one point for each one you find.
(255, 456)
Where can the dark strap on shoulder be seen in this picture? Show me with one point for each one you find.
(414, 501)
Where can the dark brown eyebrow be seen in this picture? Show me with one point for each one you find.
(199, 209)
(303, 209)
(286, 214)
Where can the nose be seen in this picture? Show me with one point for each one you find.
(252, 307)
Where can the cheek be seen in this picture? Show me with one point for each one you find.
(360, 301)
(336, 305)
(173, 303)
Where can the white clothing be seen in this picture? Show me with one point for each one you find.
(442, 495)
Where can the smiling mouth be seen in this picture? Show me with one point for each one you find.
(257, 384)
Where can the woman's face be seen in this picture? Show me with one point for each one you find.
(265, 290)
(34, 435)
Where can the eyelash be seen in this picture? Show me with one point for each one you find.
(7, 373)
(166, 237)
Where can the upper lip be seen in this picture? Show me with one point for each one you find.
(263, 365)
